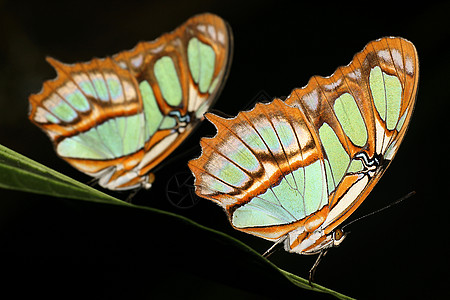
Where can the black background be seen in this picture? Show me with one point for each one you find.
(106, 251)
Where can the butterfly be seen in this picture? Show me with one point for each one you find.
(292, 171)
(117, 118)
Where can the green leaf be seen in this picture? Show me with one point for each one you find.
(18, 172)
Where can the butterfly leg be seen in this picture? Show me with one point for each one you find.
(277, 245)
(92, 182)
(314, 267)
(133, 193)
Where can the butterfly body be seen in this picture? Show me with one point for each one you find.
(117, 118)
(293, 171)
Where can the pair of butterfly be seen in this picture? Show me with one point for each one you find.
(289, 171)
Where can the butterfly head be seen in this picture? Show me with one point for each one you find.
(315, 242)
(148, 181)
(338, 237)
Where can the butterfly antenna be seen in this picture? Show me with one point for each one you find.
(381, 209)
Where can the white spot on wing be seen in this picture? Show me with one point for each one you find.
(137, 61)
(212, 32)
(43, 116)
(355, 74)
(122, 64)
(333, 85)
(409, 66)
(221, 37)
(67, 89)
(384, 54)
(398, 59)
(312, 100)
(129, 91)
(201, 28)
(157, 50)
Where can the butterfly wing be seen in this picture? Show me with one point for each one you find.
(117, 118)
(265, 168)
(361, 114)
(298, 168)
